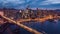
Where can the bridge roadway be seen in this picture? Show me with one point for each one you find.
(23, 26)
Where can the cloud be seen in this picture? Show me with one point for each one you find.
(24, 3)
(12, 1)
(48, 2)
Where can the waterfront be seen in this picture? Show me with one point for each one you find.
(46, 27)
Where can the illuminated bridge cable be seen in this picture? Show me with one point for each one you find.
(23, 26)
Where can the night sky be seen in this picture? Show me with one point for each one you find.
(32, 3)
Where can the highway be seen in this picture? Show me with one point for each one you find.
(37, 19)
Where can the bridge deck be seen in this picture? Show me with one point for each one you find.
(23, 26)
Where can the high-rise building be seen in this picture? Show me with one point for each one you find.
(27, 12)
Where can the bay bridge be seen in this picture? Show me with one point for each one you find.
(18, 22)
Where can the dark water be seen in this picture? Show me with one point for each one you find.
(47, 27)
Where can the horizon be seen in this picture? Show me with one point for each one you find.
(35, 8)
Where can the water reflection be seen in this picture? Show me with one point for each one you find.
(47, 27)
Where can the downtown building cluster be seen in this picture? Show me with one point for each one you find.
(27, 13)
